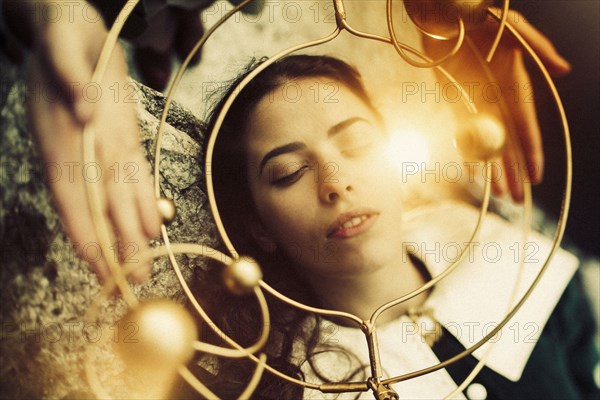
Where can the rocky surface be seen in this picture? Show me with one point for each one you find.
(46, 289)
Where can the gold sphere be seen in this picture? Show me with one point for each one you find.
(440, 17)
(242, 276)
(480, 138)
(167, 209)
(154, 340)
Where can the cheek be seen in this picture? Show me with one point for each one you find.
(381, 179)
(284, 215)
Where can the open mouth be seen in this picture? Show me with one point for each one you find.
(351, 224)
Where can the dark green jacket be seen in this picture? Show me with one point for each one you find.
(561, 366)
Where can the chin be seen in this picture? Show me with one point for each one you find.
(354, 264)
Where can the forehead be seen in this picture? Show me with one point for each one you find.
(301, 110)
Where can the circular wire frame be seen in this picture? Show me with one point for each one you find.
(169, 249)
(366, 326)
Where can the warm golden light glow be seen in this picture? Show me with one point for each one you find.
(159, 335)
(408, 150)
(157, 339)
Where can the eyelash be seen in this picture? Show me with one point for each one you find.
(291, 178)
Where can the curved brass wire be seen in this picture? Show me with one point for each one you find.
(316, 310)
(238, 350)
(423, 30)
(561, 223)
(213, 137)
(210, 148)
(501, 27)
(449, 269)
(260, 297)
(255, 380)
(119, 275)
(103, 232)
(467, 101)
(340, 17)
(180, 248)
(478, 344)
(400, 51)
(527, 211)
(175, 84)
(221, 117)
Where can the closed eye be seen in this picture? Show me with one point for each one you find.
(358, 149)
(357, 139)
(291, 178)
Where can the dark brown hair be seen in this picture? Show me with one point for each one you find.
(238, 315)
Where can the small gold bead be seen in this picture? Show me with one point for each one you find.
(242, 276)
(167, 209)
(480, 138)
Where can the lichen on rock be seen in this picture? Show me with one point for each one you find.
(46, 288)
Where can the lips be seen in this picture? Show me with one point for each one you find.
(352, 223)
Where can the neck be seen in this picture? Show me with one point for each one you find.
(361, 295)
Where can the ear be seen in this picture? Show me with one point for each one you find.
(261, 236)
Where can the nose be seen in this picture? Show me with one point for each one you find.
(333, 188)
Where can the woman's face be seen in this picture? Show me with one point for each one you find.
(324, 189)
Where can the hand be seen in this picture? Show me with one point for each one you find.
(513, 83)
(64, 54)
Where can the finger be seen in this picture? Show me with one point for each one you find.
(130, 200)
(131, 239)
(122, 144)
(146, 205)
(50, 122)
(525, 120)
(513, 170)
(79, 225)
(499, 186)
(543, 47)
(60, 140)
(493, 173)
(60, 144)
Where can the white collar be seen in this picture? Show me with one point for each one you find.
(474, 298)
(469, 302)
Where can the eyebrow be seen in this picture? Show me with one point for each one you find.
(343, 125)
(295, 146)
(286, 148)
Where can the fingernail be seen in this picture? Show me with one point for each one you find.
(517, 194)
(564, 65)
(567, 66)
(496, 191)
(535, 171)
